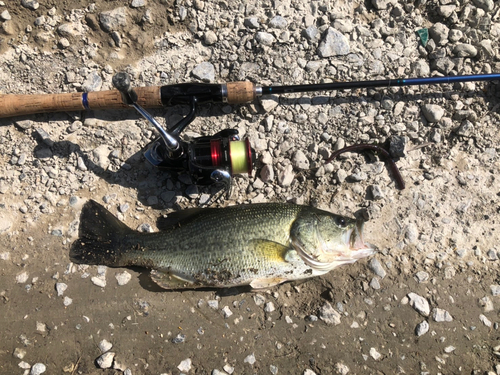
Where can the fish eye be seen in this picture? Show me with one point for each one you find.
(341, 222)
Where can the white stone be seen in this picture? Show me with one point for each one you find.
(123, 278)
(420, 304)
(106, 360)
(375, 354)
(185, 365)
(250, 359)
(37, 369)
(440, 315)
(22, 278)
(104, 346)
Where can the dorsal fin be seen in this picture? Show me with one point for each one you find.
(179, 218)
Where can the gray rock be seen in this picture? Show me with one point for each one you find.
(377, 268)
(30, 4)
(101, 156)
(334, 43)
(252, 23)
(93, 82)
(440, 315)
(70, 30)
(411, 233)
(138, 3)
(329, 315)
(264, 38)
(439, 33)
(104, 346)
(382, 4)
(286, 176)
(300, 160)
(374, 283)
(61, 288)
(420, 68)
(422, 328)
(267, 173)
(278, 22)
(210, 38)
(486, 5)
(311, 33)
(397, 146)
(5, 15)
(495, 290)
(432, 112)
(465, 50)
(466, 129)
(422, 276)
(446, 10)
(455, 35)
(420, 304)
(204, 71)
(114, 19)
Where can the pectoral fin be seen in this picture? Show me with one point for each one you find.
(171, 280)
(270, 250)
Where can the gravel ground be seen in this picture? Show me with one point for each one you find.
(426, 303)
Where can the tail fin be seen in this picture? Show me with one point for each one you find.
(100, 237)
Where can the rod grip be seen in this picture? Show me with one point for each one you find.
(19, 105)
(240, 92)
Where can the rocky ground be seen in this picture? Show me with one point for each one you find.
(426, 303)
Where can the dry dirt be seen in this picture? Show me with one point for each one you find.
(438, 238)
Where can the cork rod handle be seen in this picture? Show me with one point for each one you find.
(19, 105)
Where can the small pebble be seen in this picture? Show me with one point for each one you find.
(19, 353)
(22, 278)
(269, 307)
(422, 328)
(61, 288)
(250, 359)
(123, 278)
(99, 281)
(420, 304)
(375, 354)
(440, 315)
(185, 365)
(226, 311)
(329, 315)
(37, 369)
(67, 301)
(106, 360)
(377, 268)
(104, 346)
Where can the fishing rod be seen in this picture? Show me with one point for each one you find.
(208, 159)
(197, 93)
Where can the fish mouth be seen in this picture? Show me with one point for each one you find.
(357, 245)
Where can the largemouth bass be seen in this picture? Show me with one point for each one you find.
(260, 245)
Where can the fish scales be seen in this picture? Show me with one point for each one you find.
(220, 241)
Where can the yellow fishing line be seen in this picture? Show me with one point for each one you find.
(239, 157)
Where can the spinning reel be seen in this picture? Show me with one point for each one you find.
(208, 159)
